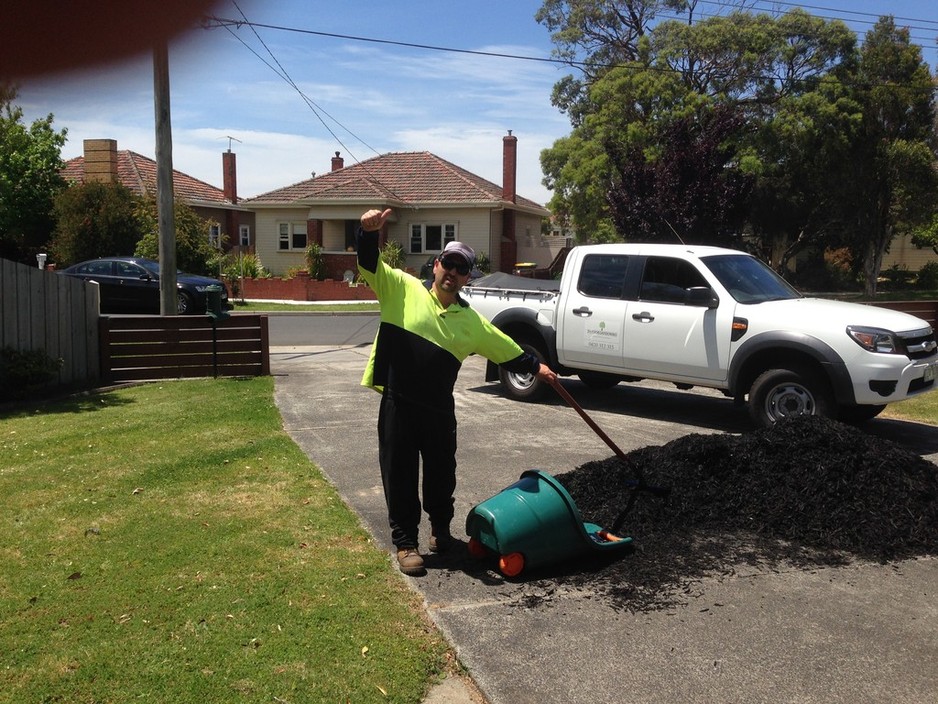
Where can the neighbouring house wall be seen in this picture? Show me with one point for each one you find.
(545, 251)
(907, 256)
(496, 223)
(277, 262)
(472, 227)
(532, 246)
(480, 228)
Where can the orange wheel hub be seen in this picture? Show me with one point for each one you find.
(511, 565)
(476, 548)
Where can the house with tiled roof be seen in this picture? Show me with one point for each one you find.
(230, 223)
(434, 202)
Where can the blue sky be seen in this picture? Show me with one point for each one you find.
(372, 97)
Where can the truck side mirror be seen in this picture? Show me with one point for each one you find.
(702, 297)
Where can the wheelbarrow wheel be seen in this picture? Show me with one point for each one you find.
(512, 564)
(476, 548)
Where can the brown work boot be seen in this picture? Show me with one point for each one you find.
(441, 543)
(410, 562)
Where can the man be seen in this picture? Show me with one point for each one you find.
(426, 331)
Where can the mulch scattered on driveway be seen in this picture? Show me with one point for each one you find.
(807, 492)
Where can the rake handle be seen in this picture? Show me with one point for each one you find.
(640, 484)
(558, 387)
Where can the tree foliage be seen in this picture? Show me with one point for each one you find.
(897, 188)
(194, 253)
(30, 178)
(775, 128)
(94, 220)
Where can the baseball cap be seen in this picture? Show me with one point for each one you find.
(463, 250)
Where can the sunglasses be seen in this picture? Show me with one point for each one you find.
(462, 268)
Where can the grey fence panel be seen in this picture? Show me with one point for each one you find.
(43, 310)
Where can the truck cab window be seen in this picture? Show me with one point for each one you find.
(602, 275)
(666, 280)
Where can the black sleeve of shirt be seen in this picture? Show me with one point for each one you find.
(367, 250)
(524, 363)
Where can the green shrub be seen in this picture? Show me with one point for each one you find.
(235, 265)
(393, 254)
(927, 278)
(898, 278)
(483, 263)
(315, 262)
(25, 371)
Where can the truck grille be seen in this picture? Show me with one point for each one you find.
(919, 344)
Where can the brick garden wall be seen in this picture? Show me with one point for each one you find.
(300, 288)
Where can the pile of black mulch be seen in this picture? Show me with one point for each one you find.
(808, 492)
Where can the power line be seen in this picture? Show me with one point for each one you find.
(316, 109)
(224, 22)
(769, 7)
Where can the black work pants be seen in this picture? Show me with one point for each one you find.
(408, 432)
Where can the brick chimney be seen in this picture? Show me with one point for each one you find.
(509, 167)
(229, 171)
(337, 162)
(101, 160)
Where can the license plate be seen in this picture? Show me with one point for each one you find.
(929, 374)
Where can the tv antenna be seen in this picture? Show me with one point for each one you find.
(229, 138)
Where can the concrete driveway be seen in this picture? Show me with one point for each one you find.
(863, 633)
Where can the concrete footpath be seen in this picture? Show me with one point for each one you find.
(852, 635)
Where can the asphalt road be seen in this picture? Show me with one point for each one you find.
(321, 329)
(861, 633)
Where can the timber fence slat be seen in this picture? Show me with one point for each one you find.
(149, 347)
(58, 315)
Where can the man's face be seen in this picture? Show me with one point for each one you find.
(448, 273)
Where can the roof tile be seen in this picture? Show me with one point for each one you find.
(138, 173)
(414, 177)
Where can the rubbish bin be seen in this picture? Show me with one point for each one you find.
(213, 304)
(534, 522)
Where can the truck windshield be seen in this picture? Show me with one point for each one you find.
(749, 280)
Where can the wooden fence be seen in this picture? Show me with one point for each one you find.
(135, 348)
(42, 310)
(926, 310)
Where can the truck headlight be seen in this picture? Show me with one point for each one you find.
(875, 339)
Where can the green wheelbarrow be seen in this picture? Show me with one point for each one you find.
(533, 523)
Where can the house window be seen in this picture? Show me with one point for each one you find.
(244, 235)
(292, 236)
(214, 234)
(430, 238)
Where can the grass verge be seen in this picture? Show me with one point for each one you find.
(273, 306)
(169, 542)
(921, 409)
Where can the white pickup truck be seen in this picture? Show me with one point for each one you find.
(712, 317)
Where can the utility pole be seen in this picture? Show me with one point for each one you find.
(164, 180)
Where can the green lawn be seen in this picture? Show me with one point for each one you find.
(170, 543)
(264, 307)
(921, 409)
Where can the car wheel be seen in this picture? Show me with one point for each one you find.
(783, 393)
(523, 387)
(183, 303)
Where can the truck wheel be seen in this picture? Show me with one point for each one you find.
(781, 393)
(523, 387)
(598, 380)
(857, 414)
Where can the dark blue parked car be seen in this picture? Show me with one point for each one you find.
(132, 285)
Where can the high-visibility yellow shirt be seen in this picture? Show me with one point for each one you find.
(420, 344)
